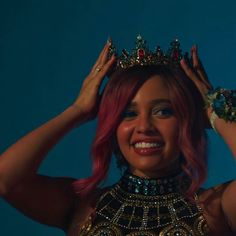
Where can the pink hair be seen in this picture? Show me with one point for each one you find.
(188, 107)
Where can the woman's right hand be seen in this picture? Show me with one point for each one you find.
(88, 100)
(20, 184)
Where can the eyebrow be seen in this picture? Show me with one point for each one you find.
(152, 102)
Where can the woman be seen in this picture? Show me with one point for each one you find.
(151, 117)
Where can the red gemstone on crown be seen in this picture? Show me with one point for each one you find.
(141, 53)
(175, 55)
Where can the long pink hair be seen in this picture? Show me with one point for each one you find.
(188, 107)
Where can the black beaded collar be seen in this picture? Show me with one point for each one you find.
(151, 187)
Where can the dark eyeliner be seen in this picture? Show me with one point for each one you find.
(129, 114)
(167, 111)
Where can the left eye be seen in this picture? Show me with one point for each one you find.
(165, 112)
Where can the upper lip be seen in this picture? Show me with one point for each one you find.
(147, 140)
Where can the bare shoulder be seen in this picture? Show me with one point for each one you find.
(84, 211)
(212, 201)
(48, 200)
(229, 204)
(214, 192)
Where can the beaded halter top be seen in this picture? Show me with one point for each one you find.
(146, 207)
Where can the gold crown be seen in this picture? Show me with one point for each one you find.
(141, 55)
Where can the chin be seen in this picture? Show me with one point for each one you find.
(153, 170)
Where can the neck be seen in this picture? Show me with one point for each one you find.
(174, 183)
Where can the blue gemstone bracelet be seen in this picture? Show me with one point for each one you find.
(223, 102)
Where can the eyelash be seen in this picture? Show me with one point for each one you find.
(130, 114)
(168, 110)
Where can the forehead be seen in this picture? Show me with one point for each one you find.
(154, 88)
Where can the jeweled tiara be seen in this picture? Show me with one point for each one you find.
(141, 55)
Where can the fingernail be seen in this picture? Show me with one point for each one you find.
(183, 61)
(109, 40)
(194, 48)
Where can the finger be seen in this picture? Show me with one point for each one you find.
(194, 77)
(106, 68)
(204, 78)
(97, 80)
(188, 71)
(104, 57)
(197, 65)
(99, 75)
(110, 63)
(106, 46)
(195, 59)
(100, 61)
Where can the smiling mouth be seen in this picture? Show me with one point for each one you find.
(148, 145)
(148, 148)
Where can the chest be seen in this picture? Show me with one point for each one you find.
(118, 214)
(100, 226)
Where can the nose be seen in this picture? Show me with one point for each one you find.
(145, 125)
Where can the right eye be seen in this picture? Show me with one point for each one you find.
(129, 114)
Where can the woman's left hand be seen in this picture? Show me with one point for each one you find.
(196, 72)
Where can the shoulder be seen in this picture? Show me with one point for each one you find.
(215, 191)
(219, 204)
(84, 210)
(229, 204)
(211, 198)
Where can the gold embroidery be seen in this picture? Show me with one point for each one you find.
(180, 229)
(120, 213)
(105, 229)
(86, 227)
(200, 226)
(141, 233)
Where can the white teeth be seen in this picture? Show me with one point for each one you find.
(147, 145)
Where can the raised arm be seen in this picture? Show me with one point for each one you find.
(227, 130)
(49, 200)
(197, 74)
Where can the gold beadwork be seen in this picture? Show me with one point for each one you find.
(106, 229)
(200, 226)
(141, 233)
(120, 213)
(180, 229)
(86, 227)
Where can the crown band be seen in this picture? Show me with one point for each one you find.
(141, 55)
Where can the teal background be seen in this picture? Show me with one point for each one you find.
(48, 46)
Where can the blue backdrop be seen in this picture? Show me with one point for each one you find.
(48, 46)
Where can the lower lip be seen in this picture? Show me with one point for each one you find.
(148, 151)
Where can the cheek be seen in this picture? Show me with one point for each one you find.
(123, 133)
(171, 130)
(175, 133)
(173, 145)
(176, 130)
